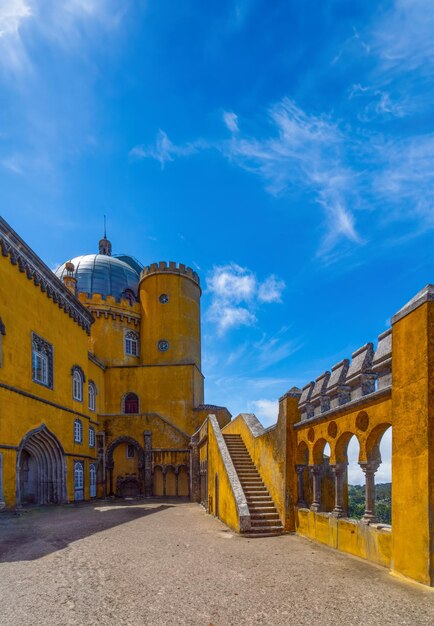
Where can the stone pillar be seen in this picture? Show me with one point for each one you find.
(110, 473)
(316, 471)
(301, 502)
(194, 482)
(339, 471)
(288, 416)
(369, 470)
(412, 438)
(148, 463)
(164, 481)
(176, 481)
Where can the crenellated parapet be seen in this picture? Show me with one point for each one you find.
(170, 268)
(367, 372)
(110, 307)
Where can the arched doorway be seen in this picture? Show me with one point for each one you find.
(40, 469)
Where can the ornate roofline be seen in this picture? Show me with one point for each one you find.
(28, 262)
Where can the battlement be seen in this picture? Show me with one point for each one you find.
(170, 268)
(367, 372)
(96, 299)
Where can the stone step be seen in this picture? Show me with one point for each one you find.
(264, 531)
(265, 516)
(253, 500)
(265, 522)
(262, 510)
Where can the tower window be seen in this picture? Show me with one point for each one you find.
(131, 403)
(131, 343)
(42, 361)
(164, 298)
(163, 345)
(78, 431)
(77, 383)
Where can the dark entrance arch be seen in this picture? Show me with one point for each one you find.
(128, 485)
(40, 471)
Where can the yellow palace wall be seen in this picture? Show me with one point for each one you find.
(33, 311)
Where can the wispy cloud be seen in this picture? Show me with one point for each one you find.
(236, 294)
(164, 150)
(231, 121)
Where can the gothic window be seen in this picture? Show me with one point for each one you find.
(78, 431)
(42, 361)
(128, 294)
(91, 396)
(78, 481)
(77, 383)
(131, 343)
(91, 437)
(130, 451)
(131, 403)
(92, 481)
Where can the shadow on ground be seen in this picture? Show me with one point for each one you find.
(39, 531)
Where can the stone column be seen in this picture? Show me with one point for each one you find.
(301, 502)
(176, 481)
(339, 473)
(369, 470)
(110, 473)
(148, 463)
(164, 480)
(316, 471)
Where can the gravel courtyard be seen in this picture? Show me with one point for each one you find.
(161, 562)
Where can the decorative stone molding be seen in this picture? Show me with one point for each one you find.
(424, 295)
(318, 398)
(337, 391)
(304, 404)
(170, 268)
(34, 268)
(382, 362)
(360, 376)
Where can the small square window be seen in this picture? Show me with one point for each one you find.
(130, 451)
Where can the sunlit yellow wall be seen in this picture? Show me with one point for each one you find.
(177, 321)
(169, 391)
(413, 444)
(112, 319)
(32, 310)
(123, 464)
(227, 508)
(372, 542)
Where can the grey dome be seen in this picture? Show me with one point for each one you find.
(100, 273)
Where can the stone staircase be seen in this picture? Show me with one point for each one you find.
(265, 521)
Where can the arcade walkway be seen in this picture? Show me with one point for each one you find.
(166, 563)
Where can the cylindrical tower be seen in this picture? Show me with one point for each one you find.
(170, 324)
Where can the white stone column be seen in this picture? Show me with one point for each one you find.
(339, 471)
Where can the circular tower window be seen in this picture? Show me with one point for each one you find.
(164, 298)
(163, 345)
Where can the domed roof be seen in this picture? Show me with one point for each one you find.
(104, 274)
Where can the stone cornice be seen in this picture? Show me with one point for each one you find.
(29, 263)
(424, 295)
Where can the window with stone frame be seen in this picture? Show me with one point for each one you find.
(131, 343)
(42, 361)
(91, 437)
(2, 333)
(78, 431)
(78, 379)
(131, 451)
(91, 396)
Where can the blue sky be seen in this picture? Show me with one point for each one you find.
(283, 149)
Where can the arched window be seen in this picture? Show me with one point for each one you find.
(131, 403)
(78, 379)
(128, 294)
(78, 481)
(78, 431)
(92, 481)
(91, 396)
(91, 437)
(131, 343)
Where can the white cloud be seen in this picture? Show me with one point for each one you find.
(266, 411)
(164, 149)
(13, 15)
(236, 293)
(231, 121)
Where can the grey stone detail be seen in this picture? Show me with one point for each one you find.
(253, 423)
(319, 399)
(147, 440)
(304, 404)
(382, 362)
(337, 391)
(294, 392)
(360, 377)
(424, 295)
(34, 268)
(234, 481)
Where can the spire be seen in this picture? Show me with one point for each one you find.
(105, 246)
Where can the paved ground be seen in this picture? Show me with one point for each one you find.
(165, 563)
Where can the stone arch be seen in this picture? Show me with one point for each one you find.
(373, 442)
(318, 451)
(40, 468)
(340, 451)
(302, 455)
(170, 472)
(110, 462)
(183, 481)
